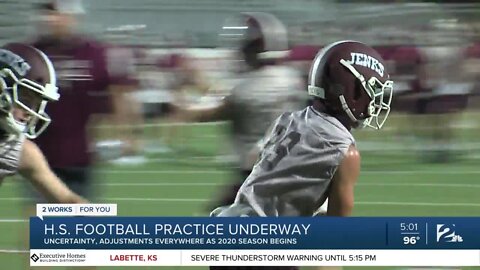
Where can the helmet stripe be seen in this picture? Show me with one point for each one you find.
(51, 69)
(318, 58)
(51, 90)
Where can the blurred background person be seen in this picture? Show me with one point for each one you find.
(265, 89)
(92, 79)
(186, 83)
(445, 87)
(120, 140)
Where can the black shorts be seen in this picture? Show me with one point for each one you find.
(231, 192)
(156, 110)
(78, 179)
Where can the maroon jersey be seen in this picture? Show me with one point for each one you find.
(473, 51)
(405, 65)
(472, 54)
(84, 70)
(407, 72)
(180, 68)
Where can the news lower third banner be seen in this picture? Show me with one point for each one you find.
(94, 236)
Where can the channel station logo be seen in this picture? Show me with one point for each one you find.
(446, 233)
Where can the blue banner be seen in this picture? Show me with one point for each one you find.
(254, 233)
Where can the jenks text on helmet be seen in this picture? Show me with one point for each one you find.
(365, 60)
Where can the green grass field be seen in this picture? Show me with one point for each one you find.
(392, 183)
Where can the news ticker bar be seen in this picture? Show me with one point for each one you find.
(267, 233)
(45, 257)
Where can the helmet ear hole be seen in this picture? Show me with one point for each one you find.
(337, 90)
(357, 94)
(332, 101)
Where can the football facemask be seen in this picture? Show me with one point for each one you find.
(380, 95)
(28, 96)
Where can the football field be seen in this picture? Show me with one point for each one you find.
(181, 183)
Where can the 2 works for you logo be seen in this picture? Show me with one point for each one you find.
(446, 233)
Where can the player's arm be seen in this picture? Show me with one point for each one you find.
(216, 112)
(198, 77)
(341, 194)
(121, 78)
(254, 153)
(127, 114)
(34, 167)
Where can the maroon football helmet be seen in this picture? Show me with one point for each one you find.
(27, 82)
(258, 37)
(351, 80)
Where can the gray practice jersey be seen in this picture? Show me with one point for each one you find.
(10, 152)
(299, 158)
(259, 98)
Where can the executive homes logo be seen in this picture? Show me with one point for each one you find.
(34, 257)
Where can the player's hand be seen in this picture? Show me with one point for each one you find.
(130, 146)
(75, 198)
(84, 201)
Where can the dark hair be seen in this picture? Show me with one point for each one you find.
(48, 6)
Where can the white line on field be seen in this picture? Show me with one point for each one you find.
(216, 123)
(13, 220)
(212, 184)
(125, 199)
(162, 172)
(158, 183)
(157, 199)
(195, 200)
(420, 204)
(13, 251)
(433, 172)
(421, 185)
(430, 268)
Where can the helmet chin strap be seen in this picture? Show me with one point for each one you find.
(320, 93)
(346, 109)
(361, 124)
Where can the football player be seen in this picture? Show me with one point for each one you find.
(264, 90)
(185, 80)
(310, 155)
(92, 78)
(446, 90)
(27, 84)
